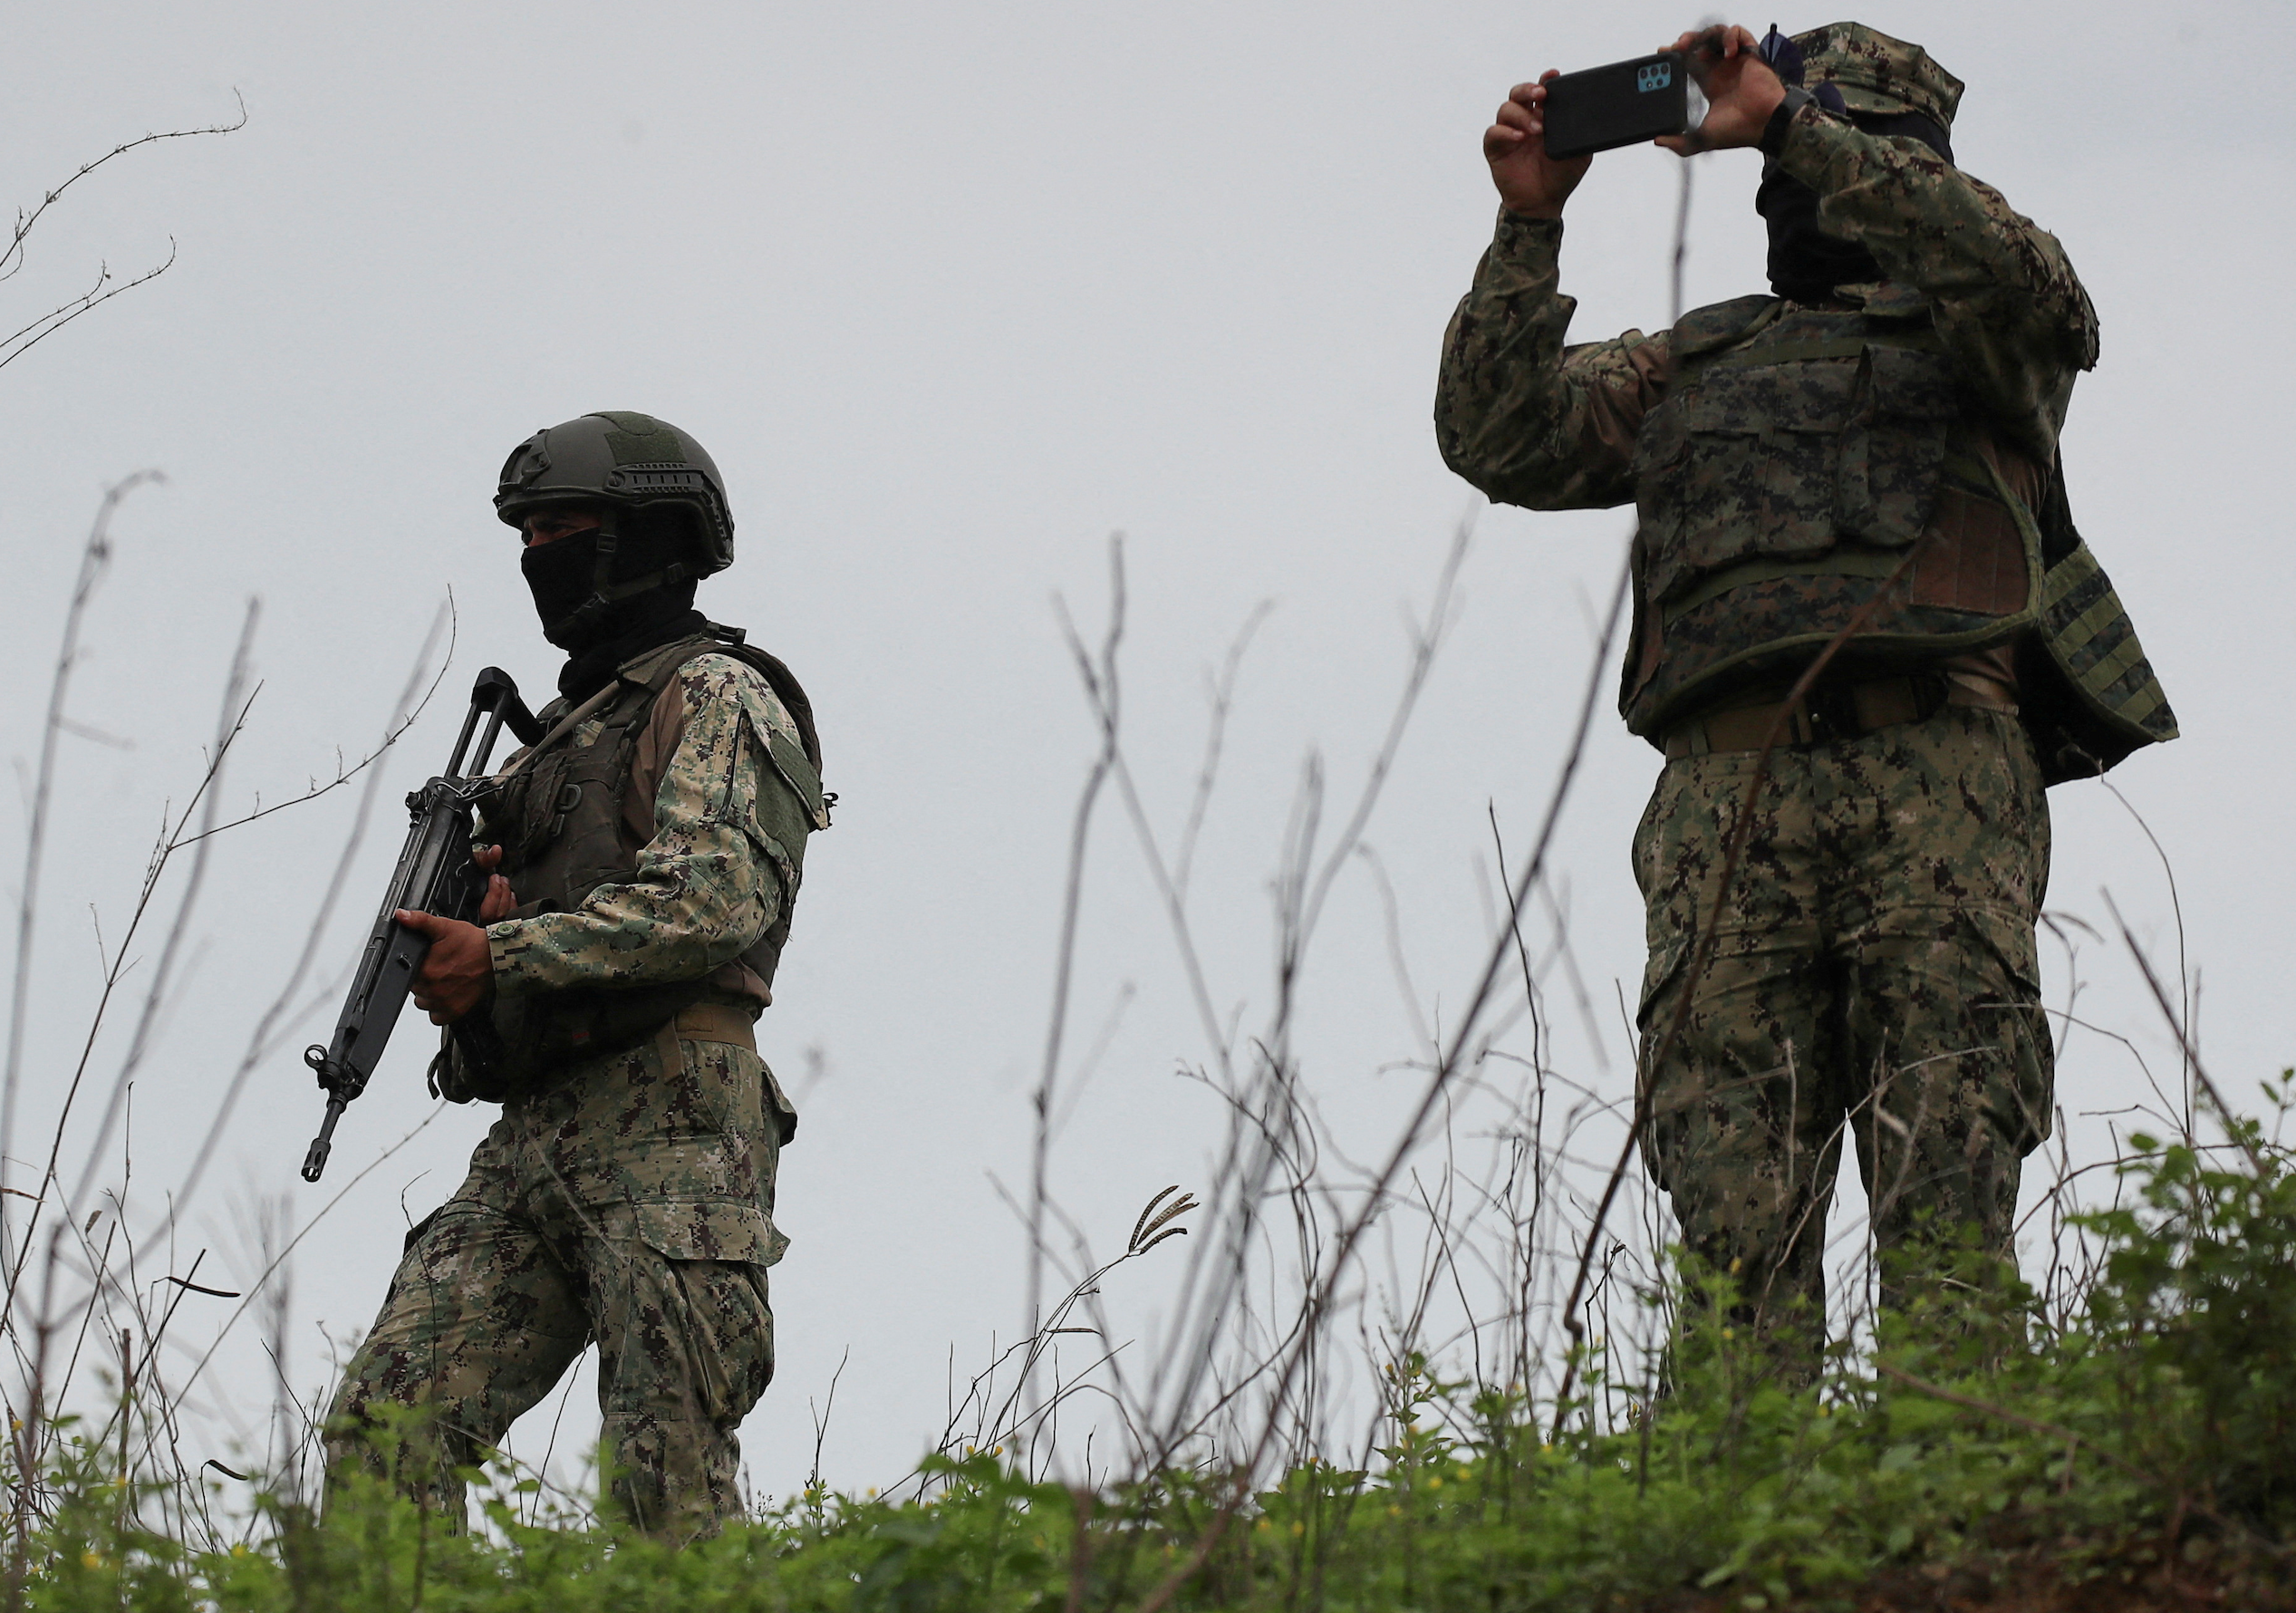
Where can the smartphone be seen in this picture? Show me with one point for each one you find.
(1623, 103)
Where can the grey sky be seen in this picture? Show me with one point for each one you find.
(952, 293)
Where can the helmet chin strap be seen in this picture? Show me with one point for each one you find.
(575, 629)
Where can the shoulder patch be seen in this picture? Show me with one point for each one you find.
(714, 677)
(789, 760)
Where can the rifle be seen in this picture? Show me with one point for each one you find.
(435, 874)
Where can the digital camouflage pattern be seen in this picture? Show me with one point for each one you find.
(1781, 483)
(1876, 74)
(719, 869)
(1783, 458)
(532, 1259)
(1533, 422)
(629, 1201)
(1873, 973)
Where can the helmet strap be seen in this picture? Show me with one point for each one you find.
(604, 593)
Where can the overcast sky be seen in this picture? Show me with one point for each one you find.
(952, 293)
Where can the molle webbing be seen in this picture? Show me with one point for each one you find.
(1967, 472)
(1804, 461)
(1838, 562)
(1794, 352)
(1775, 504)
(2109, 702)
(2090, 635)
(566, 814)
(560, 814)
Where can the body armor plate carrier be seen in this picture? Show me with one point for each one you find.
(559, 818)
(1803, 458)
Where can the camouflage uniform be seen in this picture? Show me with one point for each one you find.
(629, 1200)
(1793, 465)
(1872, 972)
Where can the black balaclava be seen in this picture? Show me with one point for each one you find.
(562, 575)
(1806, 264)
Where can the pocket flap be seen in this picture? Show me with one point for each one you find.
(1910, 384)
(1658, 974)
(2010, 939)
(798, 773)
(711, 1230)
(1763, 397)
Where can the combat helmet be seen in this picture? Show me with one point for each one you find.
(623, 460)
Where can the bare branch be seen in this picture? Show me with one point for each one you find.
(14, 347)
(95, 559)
(12, 259)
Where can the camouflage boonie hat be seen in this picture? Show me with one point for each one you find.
(1876, 74)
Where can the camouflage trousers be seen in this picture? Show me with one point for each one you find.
(614, 1211)
(1873, 978)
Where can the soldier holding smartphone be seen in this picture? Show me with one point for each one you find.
(1862, 462)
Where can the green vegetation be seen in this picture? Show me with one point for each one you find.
(2152, 1446)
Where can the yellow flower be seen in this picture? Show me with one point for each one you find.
(1434, 1481)
(91, 1560)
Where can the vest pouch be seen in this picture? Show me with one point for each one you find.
(1749, 472)
(1892, 454)
(2089, 696)
(560, 821)
(508, 819)
(563, 822)
(586, 846)
(1661, 502)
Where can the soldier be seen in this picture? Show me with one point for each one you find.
(644, 854)
(1863, 461)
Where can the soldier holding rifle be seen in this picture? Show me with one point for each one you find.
(1859, 467)
(641, 862)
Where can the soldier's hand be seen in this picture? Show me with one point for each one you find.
(1742, 91)
(458, 973)
(500, 900)
(1529, 182)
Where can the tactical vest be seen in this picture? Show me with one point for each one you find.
(1804, 461)
(559, 814)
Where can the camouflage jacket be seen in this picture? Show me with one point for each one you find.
(1532, 422)
(719, 868)
(1985, 324)
(686, 1125)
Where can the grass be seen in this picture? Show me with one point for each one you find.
(2146, 1453)
(1611, 1439)
(2127, 1438)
